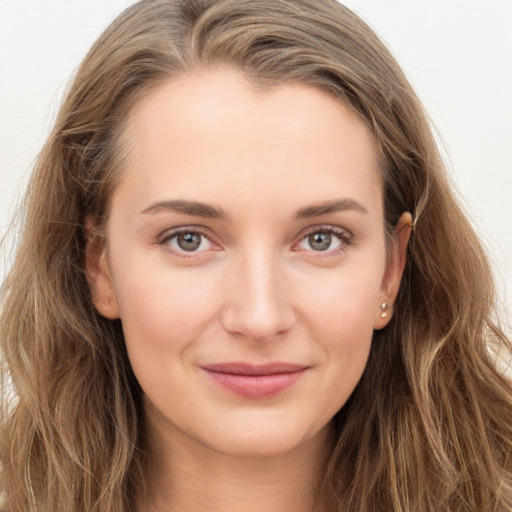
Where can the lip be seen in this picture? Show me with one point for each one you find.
(255, 381)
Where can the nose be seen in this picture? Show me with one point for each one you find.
(257, 306)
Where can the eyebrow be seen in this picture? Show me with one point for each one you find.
(337, 205)
(194, 208)
(199, 209)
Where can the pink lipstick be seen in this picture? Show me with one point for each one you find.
(255, 381)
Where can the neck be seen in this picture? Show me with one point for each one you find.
(185, 476)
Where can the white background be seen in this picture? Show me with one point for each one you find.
(457, 53)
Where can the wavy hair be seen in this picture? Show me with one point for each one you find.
(429, 426)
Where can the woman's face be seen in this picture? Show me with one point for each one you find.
(246, 259)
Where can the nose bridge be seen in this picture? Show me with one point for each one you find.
(258, 300)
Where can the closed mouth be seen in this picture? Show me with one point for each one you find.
(255, 381)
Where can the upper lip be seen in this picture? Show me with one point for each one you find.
(240, 368)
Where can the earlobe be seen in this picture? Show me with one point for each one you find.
(394, 270)
(98, 275)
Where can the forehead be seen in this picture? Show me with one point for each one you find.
(209, 132)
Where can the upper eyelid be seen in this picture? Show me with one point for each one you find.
(336, 230)
(345, 237)
(326, 227)
(172, 232)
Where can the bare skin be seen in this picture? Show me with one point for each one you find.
(222, 483)
(245, 255)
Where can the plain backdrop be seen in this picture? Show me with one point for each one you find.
(457, 54)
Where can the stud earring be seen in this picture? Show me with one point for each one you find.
(383, 306)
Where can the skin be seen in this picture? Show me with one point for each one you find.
(258, 289)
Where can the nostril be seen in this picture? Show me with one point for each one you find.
(257, 323)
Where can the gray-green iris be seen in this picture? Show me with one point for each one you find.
(320, 241)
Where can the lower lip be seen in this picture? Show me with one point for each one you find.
(256, 386)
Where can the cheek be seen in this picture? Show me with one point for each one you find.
(341, 320)
(162, 314)
(344, 303)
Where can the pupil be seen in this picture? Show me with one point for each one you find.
(320, 241)
(189, 241)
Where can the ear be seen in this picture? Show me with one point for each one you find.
(393, 273)
(98, 273)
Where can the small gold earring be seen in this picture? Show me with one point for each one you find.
(383, 306)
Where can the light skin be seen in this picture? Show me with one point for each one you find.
(280, 257)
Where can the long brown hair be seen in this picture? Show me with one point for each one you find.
(429, 426)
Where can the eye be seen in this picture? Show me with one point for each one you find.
(187, 241)
(326, 239)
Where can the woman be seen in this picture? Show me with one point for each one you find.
(244, 282)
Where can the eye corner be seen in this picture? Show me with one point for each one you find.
(204, 242)
(345, 240)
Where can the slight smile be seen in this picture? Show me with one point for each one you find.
(255, 381)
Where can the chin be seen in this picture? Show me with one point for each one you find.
(265, 439)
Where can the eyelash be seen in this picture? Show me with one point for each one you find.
(343, 235)
(164, 240)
